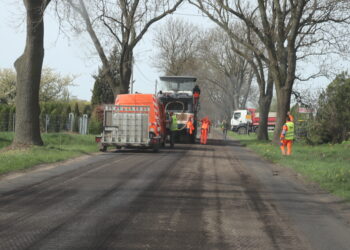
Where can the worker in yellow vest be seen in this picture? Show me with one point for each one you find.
(287, 135)
(173, 128)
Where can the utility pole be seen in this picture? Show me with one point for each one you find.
(155, 87)
(132, 76)
(132, 80)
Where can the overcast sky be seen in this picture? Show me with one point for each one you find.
(76, 55)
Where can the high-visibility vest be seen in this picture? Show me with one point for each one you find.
(205, 125)
(173, 126)
(189, 124)
(290, 131)
(190, 127)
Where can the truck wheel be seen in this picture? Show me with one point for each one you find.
(193, 139)
(155, 148)
(242, 130)
(103, 149)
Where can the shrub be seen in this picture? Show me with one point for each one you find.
(96, 120)
(332, 121)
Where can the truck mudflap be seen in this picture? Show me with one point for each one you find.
(98, 139)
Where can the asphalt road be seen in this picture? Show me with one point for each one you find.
(215, 196)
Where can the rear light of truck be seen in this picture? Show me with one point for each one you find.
(98, 139)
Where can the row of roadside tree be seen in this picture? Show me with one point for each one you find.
(269, 38)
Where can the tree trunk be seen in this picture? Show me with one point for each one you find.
(285, 80)
(126, 65)
(265, 98)
(246, 94)
(283, 106)
(28, 67)
(235, 101)
(264, 108)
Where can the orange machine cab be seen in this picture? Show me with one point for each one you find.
(157, 115)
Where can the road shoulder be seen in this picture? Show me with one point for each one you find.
(306, 204)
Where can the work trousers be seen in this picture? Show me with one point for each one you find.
(224, 132)
(286, 147)
(172, 138)
(204, 136)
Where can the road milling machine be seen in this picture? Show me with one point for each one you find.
(177, 95)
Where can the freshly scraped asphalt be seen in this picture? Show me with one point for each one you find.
(215, 196)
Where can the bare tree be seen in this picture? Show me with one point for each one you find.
(126, 22)
(245, 43)
(283, 28)
(224, 76)
(228, 70)
(176, 44)
(28, 67)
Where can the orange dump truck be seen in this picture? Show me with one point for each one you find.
(136, 120)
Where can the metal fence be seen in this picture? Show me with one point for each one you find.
(51, 123)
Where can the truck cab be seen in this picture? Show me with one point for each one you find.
(241, 121)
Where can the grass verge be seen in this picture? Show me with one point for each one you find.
(328, 165)
(5, 139)
(57, 147)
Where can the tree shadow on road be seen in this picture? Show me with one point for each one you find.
(224, 143)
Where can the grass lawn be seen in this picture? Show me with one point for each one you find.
(57, 147)
(328, 165)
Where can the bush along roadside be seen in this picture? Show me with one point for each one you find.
(58, 147)
(326, 164)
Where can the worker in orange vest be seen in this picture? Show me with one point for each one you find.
(189, 125)
(205, 129)
(196, 93)
(287, 135)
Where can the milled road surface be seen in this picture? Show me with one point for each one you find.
(217, 196)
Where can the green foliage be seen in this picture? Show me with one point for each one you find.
(6, 117)
(102, 92)
(58, 112)
(68, 110)
(76, 120)
(96, 121)
(87, 110)
(7, 86)
(332, 122)
(95, 126)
